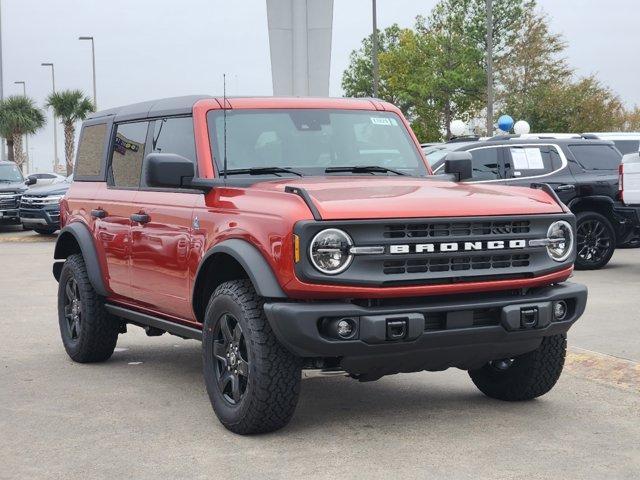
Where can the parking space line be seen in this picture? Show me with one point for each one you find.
(29, 239)
(603, 368)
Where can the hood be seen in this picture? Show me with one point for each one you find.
(357, 197)
(12, 187)
(59, 188)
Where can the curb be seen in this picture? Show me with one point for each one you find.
(602, 368)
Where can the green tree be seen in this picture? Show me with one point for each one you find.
(70, 106)
(535, 63)
(578, 106)
(19, 116)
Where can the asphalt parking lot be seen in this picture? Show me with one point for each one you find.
(145, 413)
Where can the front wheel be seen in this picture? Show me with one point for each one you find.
(526, 376)
(595, 239)
(253, 382)
(45, 231)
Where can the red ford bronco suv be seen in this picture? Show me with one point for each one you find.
(291, 234)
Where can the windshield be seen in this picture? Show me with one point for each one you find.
(314, 142)
(10, 173)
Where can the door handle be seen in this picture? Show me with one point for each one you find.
(98, 213)
(140, 218)
(565, 188)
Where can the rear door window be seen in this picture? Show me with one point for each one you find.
(596, 157)
(127, 152)
(485, 163)
(531, 160)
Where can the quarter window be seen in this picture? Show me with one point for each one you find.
(485, 163)
(127, 154)
(597, 157)
(90, 151)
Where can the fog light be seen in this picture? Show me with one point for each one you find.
(345, 328)
(560, 310)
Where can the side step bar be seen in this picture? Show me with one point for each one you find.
(144, 320)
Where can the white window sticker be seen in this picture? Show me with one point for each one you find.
(519, 159)
(380, 121)
(534, 158)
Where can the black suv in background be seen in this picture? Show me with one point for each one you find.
(582, 172)
(11, 188)
(40, 207)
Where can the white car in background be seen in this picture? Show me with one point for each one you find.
(41, 179)
(626, 142)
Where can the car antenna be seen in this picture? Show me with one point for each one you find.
(224, 121)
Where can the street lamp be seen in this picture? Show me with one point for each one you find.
(93, 61)
(55, 124)
(26, 137)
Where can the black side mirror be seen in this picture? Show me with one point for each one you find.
(459, 164)
(168, 170)
(30, 181)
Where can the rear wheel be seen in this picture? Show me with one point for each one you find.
(89, 333)
(253, 382)
(595, 239)
(526, 376)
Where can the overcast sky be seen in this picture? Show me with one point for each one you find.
(148, 49)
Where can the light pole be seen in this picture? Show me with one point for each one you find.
(374, 49)
(93, 61)
(2, 154)
(489, 68)
(55, 124)
(26, 137)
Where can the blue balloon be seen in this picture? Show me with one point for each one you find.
(505, 123)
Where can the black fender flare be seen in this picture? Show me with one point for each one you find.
(83, 237)
(253, 262)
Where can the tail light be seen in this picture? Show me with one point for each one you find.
(621, 181)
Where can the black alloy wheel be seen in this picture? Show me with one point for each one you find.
(72, 308)
(231, 358)
(594, 241)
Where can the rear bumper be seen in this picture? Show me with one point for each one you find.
(457, 331)
(630, 215)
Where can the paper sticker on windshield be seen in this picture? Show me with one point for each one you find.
(381, 121)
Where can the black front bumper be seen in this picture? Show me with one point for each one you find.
(463, 331)
(46, 217)
(9, 216)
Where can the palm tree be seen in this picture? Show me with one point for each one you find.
(70, 106)
(19, 116)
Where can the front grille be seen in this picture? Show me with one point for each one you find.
(33, 202)
(438, 251)
(455, 264)
(455, 229)
(9, 200)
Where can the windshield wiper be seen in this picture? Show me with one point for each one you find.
(263, 171)
(363, 169)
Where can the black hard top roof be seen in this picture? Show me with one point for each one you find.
(153, 108)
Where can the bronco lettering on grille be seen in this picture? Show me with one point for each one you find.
(457, 246)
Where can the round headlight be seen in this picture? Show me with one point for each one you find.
(560, 235)
(329, 251)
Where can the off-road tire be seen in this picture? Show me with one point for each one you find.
(45, 231)
(531, 375)
(98, 332)
(273, 383)
(580, 263)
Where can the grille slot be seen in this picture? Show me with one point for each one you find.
(11, 200)
(456, 229)
(455, 264)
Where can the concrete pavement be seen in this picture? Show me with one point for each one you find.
(145, 413)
